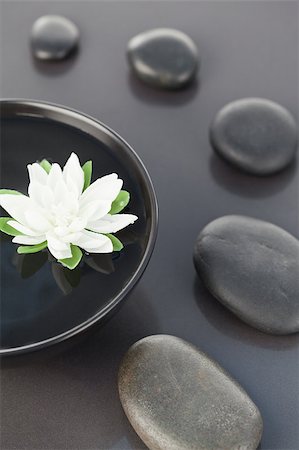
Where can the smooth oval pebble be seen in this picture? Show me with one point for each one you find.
(252, 267)
(177, 398)
(53, 37)
(255, 135)
(163, 57)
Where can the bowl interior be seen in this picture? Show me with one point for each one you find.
(41, 302)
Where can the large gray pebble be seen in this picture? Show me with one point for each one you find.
(252, 267)
(177, 398)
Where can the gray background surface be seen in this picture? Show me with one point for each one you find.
(69, 400)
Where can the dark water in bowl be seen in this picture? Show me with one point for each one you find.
(39, 299)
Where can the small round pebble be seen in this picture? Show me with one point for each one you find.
(163, 58)
(177, 398)
(53, 37)
(256, 135)
(252, 267)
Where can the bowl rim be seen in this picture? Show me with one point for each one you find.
(70, 113)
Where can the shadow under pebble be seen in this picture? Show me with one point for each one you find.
(243, 184)
(56, 68)
(225, 321)
(156, 96)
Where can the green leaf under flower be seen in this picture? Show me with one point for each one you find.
(120, 202)
(117, 244)
(74, 260)
(25, 249)
(10, 192)
(8, 229)
(87, 170)
(46, 165)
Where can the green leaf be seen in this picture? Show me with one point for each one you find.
(117, 244)
(120, 202)
(74, 260)
(10, 191)
(87, 169)
(5, 228)
(24, 249)
(46, 165)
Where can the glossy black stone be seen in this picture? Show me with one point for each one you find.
(163, 58)
(177, 398)
(41, 302)
(53, 37)
(252, 267)
(255, 135)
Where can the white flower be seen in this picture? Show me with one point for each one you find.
(58, 211)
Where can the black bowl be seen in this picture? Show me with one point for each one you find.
(42, 303)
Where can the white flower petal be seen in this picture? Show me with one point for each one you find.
(61, 231)
(37, 221)
(112, 223)
(105, 188)
(25, 230)
(95, 210)
(73, 174)
(47, 196)
(58, 248)
(55, 175)
(37, 174)
(61, 192)
(55, 243)
(41, 195)
(61, 254)
(28, 240)
(35, 192)
(70, 238)
(16, 206)
(93, 242)
(78, 224)
(72, 203)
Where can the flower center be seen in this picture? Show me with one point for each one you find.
(65, 221)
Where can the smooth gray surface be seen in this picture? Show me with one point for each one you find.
(177, 398)
(251, 267)
(255, 135)
(70, 401)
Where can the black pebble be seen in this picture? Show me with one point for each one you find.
(163, 58)
(252, 267)
(255, 135)
(53, 37)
